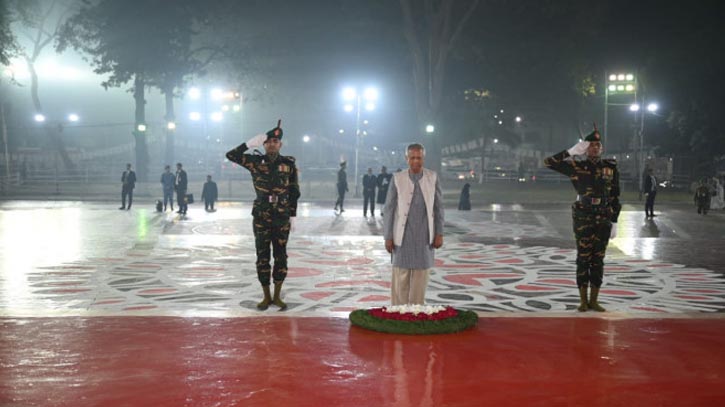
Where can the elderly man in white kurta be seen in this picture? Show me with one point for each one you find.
(413, 227)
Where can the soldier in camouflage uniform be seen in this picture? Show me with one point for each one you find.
(275, 181)
(595, 211)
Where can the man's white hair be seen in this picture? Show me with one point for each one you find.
(414, 146)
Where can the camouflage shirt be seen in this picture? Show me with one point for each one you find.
(592, 178)
(276, 178)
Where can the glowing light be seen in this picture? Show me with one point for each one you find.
(39, 118)
(612, 77)
(195, 116)
(348, 107)
(171, 126)
(349, 93)
(621, 77)
(369, 106)
(630, 77)
(652, 107)
(518, 119)
(73, 118)
(495, 141)
(612, 88)
(141, 127)
(217, 116)
(194, 93)
(430, 129)
(217, 94)
(629, 88)
(341, 131)
(620, 88)
(634, 107)
(225, 108)
(371, 94)
(236, 108)
(365, 122)
(306, 138)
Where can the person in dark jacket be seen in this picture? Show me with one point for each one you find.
(650, 191)
(209, 194)
(702, 197)
(464, 202)
(383, 184)
(180, 184)
(167, 182)
(128, 180)
(341, 187)
(370, 181)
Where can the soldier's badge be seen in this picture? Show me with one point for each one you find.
(608, 172)
(283, 168)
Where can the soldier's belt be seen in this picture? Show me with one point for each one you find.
(271, 198)
(592, 200)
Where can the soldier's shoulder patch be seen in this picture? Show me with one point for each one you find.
(289, 159)
(610, 161)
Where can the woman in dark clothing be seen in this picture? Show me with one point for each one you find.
(464, 203)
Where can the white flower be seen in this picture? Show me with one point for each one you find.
(415, 309)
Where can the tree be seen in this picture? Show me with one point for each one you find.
(8, 42)
(431, 33)
(144, 41)
(39, 23)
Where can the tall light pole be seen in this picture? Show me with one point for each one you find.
(637, 109)
(617, 84)
(367, 101)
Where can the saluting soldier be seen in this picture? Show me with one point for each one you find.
(275, 181)
(595, 211)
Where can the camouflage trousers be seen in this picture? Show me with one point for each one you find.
(592, 236)
(271, 229)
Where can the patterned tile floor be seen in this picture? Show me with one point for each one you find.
(92, 259)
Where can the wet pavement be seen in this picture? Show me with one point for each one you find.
(137, 308)
(75, 258)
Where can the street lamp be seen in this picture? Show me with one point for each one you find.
(354, 101)
(430, 129)
(209, 106)
(618, 84)
(635, 108)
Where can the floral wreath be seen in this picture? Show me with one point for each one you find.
(414, 319)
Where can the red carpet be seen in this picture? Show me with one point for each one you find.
(165, 361)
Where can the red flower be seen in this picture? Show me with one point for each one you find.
(448, 312)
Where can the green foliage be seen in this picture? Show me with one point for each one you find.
(464, 320)
(8, 44)
(136, 37)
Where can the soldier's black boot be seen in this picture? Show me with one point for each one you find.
(593, 304)
(277, 300)
(583, 305)
(267, 299)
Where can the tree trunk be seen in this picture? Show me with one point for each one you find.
(142, 156)
(170, 118)
(53, 133)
